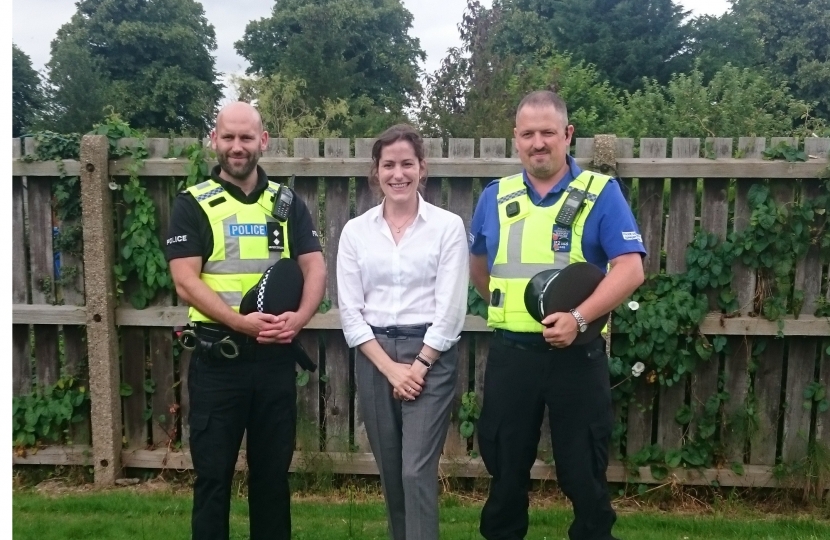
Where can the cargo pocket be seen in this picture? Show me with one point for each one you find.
(198, 422)
(498, 292)
(487, 429)
(600, 440)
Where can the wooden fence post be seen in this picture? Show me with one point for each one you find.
(99, 284)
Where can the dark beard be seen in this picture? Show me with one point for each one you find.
(238, 173)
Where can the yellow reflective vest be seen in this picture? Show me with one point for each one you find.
(241, 240)
(530, 241)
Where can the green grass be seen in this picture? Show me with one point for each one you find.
(123, 514)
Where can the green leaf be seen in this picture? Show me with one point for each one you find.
(737, 468)
(125, 390)
(466, 429)
(684, 415)
(303, 377)
(149, 386)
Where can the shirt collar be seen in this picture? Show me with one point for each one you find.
(423, 210)
(573, 172)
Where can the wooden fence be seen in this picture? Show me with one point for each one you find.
(124, 347)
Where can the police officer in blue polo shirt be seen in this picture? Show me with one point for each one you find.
(521, 225)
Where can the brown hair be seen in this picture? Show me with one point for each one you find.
(398, 132)
(544, 98)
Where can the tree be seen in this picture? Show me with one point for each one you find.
(717, 41)
(79, 90)
(356, 50)
(736, 102)
(625, 39)
(154, 57)
(795, 37)
(27, 98)
(477, 89)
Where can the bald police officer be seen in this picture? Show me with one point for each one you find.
(222, 238)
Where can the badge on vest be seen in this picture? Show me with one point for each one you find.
(560, 239)
(246, 229)
(276, 236)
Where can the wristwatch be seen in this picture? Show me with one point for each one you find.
(580, 321)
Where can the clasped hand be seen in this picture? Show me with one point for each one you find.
(269, 329)
(407, 380)
(561, 329)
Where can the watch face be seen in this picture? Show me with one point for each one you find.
(583, 327)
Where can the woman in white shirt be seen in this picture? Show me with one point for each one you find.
(402, 274)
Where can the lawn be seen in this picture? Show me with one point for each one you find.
(129, 515)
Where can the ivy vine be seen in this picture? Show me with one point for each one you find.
(46, 413)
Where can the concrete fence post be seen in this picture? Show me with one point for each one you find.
(99, 284)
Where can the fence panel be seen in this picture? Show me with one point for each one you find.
(146, 348)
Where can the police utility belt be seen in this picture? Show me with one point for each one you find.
(218, 342)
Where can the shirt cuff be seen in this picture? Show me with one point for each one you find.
(439, 343)
(359, 336)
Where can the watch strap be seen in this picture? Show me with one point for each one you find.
(580, 320)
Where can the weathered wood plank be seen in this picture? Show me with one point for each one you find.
(21, 351)
(133, 375)
(650, 206)
(364, 463)
(584, 148)
(714, 323)
(308, 397)
(714, 217)
(641, 415)
(737, 360)
(802, 352)
(163, 399)
(336, 394)
(736, 383)
(337, 148)
(492, 147)
(277, 147)
(625, 149)
(42, 279)
(433, 149)
(492, 167)
(365, 197)
(482, 349)
(767, 389)
(185, 357)
(455, 445)
(679, 233)
(303, 148)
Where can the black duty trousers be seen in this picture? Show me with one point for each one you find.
(255, 392)
(574, 383)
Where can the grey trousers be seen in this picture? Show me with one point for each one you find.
(407, 436)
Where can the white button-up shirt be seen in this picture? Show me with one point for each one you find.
(422, 279)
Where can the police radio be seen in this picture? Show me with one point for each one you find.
(282, 202)
(573, 205)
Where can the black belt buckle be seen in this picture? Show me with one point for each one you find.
(401, 332)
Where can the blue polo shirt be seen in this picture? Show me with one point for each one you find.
(610, 228)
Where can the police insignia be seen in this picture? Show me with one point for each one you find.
(560, 239)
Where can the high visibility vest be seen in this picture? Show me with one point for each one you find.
(530, 241)
(241, 240)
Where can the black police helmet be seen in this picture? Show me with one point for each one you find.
(279, 290)
(553, 291)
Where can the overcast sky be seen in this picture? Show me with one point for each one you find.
(35, 22)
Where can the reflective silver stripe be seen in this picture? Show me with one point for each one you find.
(203, 185)
(514, 268)
(232, 263)
(236, 266)
(233, 299)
